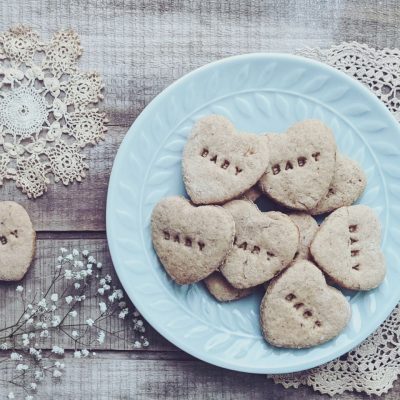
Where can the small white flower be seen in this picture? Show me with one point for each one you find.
(85, 253)
(28, 397)
(108, 278)
(123, 313)
(53, 307)
(73, 313)
(100, 291)
(22, 367)
(119, 294)
(68, 299)
(63, 250)
(26, 342)
(75, 252)
(85, 352)
(68, 274)
(30, 321)
(59, 258)
(99, 265)
(78, 264)
(74, 334)
(89, 272)
(92, 260)
(100, 337)
(33, 386)
(3, 346)
(55, 320)
(69, 257)
(77, 285)
(44, 325)
(57, 373)
(122, 304)
(106, 287)
(77, 354)
(137, 344)
(19, 289)
(15, 356)
(29, 306)
(42, 303)
(44, 334)
(38, 375)
(102, 281)
(90, 322)
(58, 266)
(103, 307)
(11, 395)
(57, 350)
(32, 335)
(89, 266)
(145, 343)
(54, 297)
(24, 336)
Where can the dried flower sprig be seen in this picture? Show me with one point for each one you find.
(54, 315)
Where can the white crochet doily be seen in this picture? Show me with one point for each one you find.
(373, 366)
(47, 112)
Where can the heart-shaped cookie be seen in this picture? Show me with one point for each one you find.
(300, 310)
(265, 243)
(307, 227)
(346, 187)
(17, 241)
(301, 165)
(347, 248)
(191, 242)
(219, 163)
(222, 290)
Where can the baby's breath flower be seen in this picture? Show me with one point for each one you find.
(73, 313)
(85, 352)
(99, 265)
(30, 321)
(108, 278)
(28, 397)
(100, 291)
(137, 344)
(92, 260)
(100, 337)
(33, 386)
(63, 250)
(15, 356)
(54, 297)
(75, 252)
(38, 375)
(68, 299)
(145, 343)
(57, 373)
(123, 313)
(122, 304)
(89, 266)
(77, 354)
(42, 303)
(59, 258)
(58, 266)
(57, 350)
(44, 334)
(69, 257)
(102, 281)
(103, 307)
(22, 367)
(77, 285)
(90, 322)
(53, 307)
(75, 334)
(55, 320)
(85, 253)
(44, 325)
(3, 346)
(68, 274)
(11, 395)
(19, 289)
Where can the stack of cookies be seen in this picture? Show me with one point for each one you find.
(221, 236)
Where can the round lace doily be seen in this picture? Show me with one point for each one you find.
(47, 112)
(374, 365)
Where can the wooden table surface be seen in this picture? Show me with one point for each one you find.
(140, 47)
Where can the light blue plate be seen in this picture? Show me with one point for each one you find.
(259, 93)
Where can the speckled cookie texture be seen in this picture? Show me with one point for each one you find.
(222, 290)
(301, 165)
(17, 241)
(347, 248)
(219, 163)
(191, 242)
(300, 310)
(307, 227)
(265, 243)
(347, 185)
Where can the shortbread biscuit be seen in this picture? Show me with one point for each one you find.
(265, 243)
(219, 163)
(347, 248)
(191, 242)
(17, 241)
(301, 165)
(300, 310)
(307, 227)
(348, 183)
(222, 290)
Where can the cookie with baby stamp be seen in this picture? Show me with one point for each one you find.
(264, 244)
(301, 165)
(191, 242)
(300, 310)
(17, 241)
(347, 248)
(219, 163)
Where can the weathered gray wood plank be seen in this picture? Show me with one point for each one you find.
(38, 279)
(127, 375)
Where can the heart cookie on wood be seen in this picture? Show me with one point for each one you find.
(346, 187)
(219, 163)
(300, 310)
(222, 290)
(17, 241)
(301, 165)
(347, 248)
(191, 242)
(265, 243)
